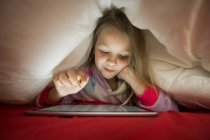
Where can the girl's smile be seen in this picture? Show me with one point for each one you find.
(109, 70)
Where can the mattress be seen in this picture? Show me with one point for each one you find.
(173, 125)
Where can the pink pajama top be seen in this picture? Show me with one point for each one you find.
(97, 89)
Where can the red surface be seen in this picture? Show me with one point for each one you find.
(14, 124)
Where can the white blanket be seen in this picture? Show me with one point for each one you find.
(41, 38)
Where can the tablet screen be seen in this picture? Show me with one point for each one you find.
(92, 110)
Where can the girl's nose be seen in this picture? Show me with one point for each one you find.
(112, 60)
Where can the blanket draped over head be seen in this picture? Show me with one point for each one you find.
(41, 38)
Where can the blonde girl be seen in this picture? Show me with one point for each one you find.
(116, 72)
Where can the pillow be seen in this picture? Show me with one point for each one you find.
(35, 38)
(182, 26)
(188, 86)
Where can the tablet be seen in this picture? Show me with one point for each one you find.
(92, 110)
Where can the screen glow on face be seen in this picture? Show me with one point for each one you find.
(112, 52)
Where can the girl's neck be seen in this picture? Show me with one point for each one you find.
(113, 83)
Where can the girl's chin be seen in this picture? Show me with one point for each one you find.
(108, 76)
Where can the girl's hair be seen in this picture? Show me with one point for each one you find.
(115, 17)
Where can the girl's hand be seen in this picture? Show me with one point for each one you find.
(70, 82)
(127, 74)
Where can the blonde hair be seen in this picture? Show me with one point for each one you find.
(115, 17)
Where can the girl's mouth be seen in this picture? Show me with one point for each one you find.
(109, 70)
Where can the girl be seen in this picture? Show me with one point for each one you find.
(116, 71)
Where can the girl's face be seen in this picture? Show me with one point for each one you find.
(112, 52)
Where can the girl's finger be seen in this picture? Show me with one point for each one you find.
(64, 79)
(57, 81)
(83, 76)
(82, 84)
(72, 76)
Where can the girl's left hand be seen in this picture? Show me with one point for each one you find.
(127, 74)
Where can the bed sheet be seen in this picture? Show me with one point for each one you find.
(185, 125)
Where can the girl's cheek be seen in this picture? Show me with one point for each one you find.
(100, 57)
(124, 62)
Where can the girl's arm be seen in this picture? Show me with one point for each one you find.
(43, 98)
(64, 84)
(53, 96)
(156, 100)
(151, 98)
(148, 97)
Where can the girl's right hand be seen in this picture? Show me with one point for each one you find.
(70, 82)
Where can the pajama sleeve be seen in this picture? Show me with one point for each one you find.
(42, 98)
(156, 100)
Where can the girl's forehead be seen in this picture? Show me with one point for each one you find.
(111, 34)
(114, 39)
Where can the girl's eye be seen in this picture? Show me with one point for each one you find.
(123, 57)
(103, 51)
